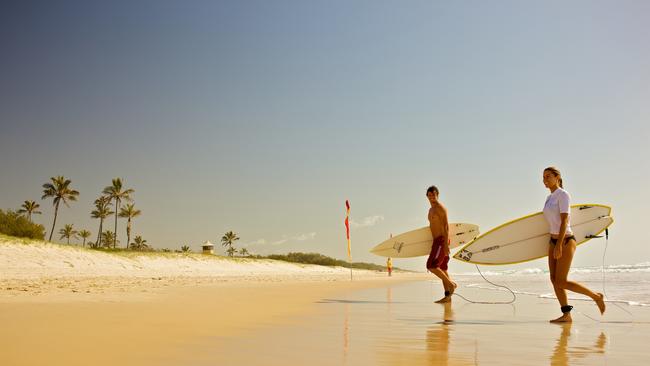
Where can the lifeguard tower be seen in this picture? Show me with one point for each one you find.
(208, 248)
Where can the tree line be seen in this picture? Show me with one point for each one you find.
(59, 189)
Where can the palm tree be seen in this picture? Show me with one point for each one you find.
(117, 193)
(228, 239)
(29, 208)
(139, 244)
(109, 239)
(102, 211)
(68, 232)
(231, 251)
(185, 249)
(84, 234)
(129, 212)
(59, 190)
(244, 252)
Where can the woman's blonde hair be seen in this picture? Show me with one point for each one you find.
(556, 172)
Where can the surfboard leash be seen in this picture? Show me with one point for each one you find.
(514, 296)
(602, 270)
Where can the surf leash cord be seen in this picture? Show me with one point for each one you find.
(514, 296)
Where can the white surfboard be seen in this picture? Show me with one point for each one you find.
(418, 242)
(527, 238)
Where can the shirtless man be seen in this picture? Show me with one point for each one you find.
(439, 257)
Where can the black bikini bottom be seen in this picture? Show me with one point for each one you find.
(566, 239)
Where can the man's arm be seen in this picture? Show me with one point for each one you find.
(445, 227)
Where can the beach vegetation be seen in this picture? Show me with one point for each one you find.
(322, 260)
(15, 224)
(129, 212)
(68, 232)
(231, 251)
(29, 208)
(227, 240)
(59, 190)
(102, 211)
(117, 193)
(139, 244)
(109, 239)
(84, 234)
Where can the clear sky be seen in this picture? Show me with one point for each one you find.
(263, 117)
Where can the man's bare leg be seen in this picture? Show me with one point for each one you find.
(448, 285)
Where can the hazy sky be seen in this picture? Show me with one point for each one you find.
(263, 117)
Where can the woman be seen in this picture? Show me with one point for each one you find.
(562, 246)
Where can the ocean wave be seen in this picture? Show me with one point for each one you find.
(525, 271)
(551, 295)
(615, 268)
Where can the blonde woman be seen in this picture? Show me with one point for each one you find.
(562, 246)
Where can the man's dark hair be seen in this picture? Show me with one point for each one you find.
(433, 189)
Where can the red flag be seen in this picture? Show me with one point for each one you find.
(347, 228)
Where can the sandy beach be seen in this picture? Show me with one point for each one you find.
(56, 310)
(140, 309)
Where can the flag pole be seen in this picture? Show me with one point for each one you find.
(347, 231)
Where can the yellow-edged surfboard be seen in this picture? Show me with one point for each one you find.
(527, 238)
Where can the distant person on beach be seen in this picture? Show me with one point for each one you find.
(389, 266)
(562, 245)
(439, 256)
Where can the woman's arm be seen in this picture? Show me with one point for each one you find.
(557, 253)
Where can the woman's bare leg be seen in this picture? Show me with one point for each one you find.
(560, 293)
(562, 273)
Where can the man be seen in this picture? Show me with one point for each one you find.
(439, 257)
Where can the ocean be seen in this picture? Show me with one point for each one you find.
(626, 283)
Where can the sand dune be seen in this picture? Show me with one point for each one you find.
(39, 268)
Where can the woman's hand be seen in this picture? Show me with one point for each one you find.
(557, 252)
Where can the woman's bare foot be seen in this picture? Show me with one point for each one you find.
(565, 318)
(600, 301)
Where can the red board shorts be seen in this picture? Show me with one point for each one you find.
(437, 257)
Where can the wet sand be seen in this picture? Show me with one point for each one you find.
(398, 324)
(140, 327)
(382, 321)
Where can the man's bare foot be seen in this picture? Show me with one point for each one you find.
(600, 301)
(444, 300)
(565, 318)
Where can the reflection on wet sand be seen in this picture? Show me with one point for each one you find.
(565, 355)
(438, 340)
(346, 334)
(436, 350)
